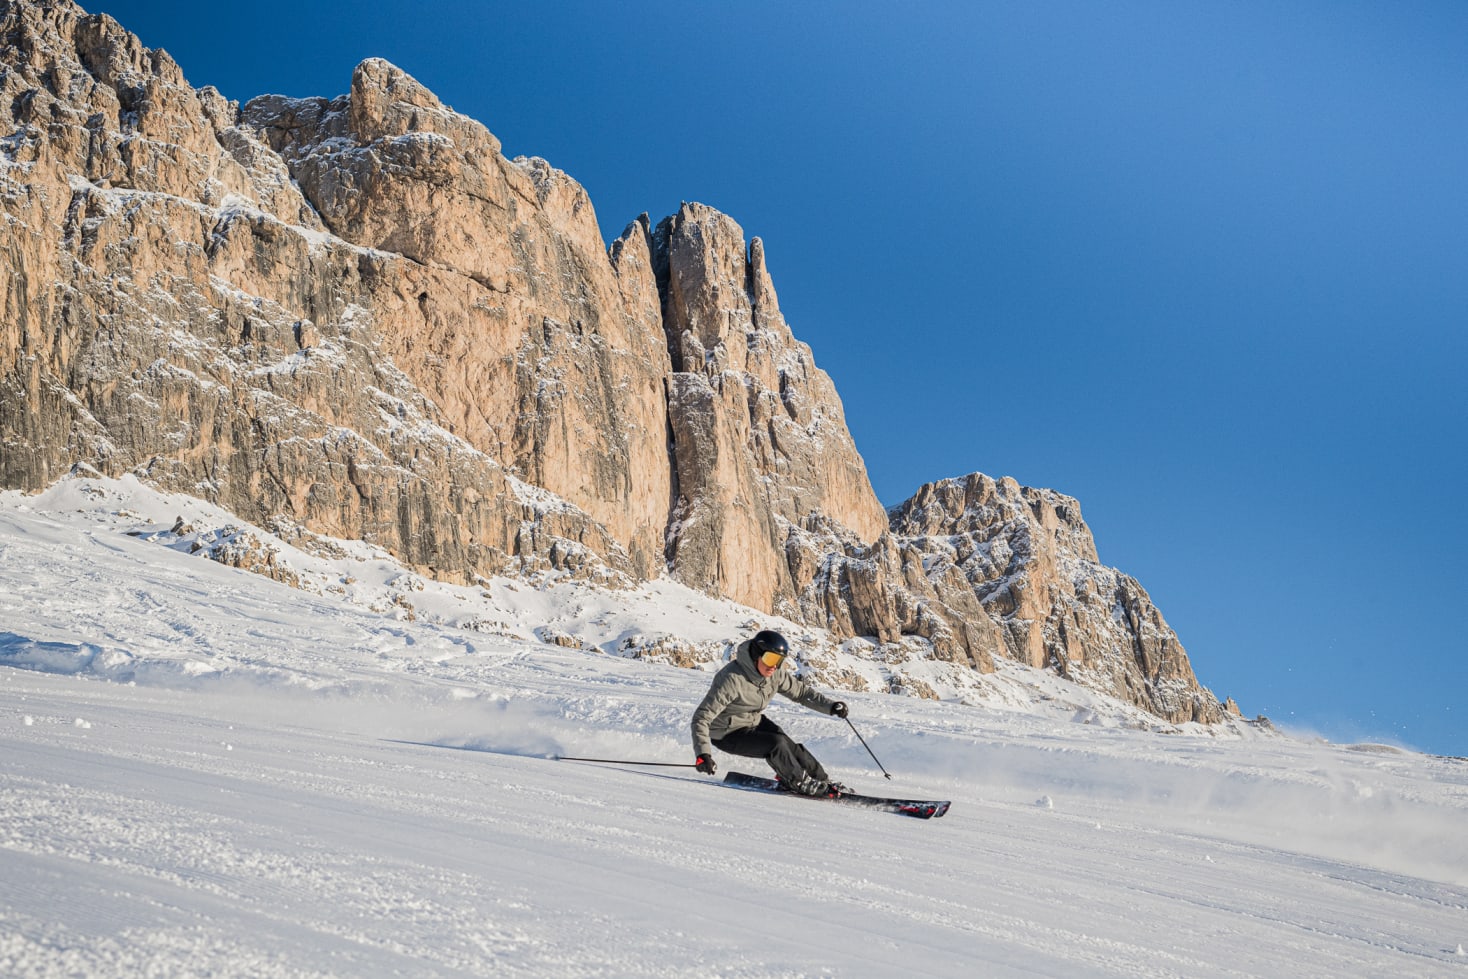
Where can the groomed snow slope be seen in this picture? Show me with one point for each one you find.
(203, 772)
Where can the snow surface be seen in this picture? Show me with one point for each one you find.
(205, 772)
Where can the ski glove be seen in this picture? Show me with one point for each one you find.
(838, 709)
(706, 765)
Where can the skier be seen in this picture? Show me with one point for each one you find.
(731, 716)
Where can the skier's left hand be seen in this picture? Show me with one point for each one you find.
(838, 709)
(706, 765)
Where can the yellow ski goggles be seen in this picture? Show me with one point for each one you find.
(772, 660)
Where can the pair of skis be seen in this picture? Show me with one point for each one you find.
(922, 809)
(905, 807)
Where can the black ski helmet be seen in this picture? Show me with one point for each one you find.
(768, 642)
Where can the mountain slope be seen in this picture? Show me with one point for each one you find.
(205, 770)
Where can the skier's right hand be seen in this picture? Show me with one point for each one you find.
(706, 765)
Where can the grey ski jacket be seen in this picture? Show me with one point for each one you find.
(739, 695)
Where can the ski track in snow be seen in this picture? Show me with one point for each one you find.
(205, 773)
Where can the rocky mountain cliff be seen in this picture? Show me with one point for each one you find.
(354, 317)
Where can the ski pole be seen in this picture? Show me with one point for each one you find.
(624, 761)
(867, 747)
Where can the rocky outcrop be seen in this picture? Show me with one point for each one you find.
(759, 439)
(990, 569)
(354, 316)
(506, 311)
(176, 308)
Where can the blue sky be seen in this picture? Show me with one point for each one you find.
(1202, 266)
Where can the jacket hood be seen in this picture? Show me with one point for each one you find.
(744, 656)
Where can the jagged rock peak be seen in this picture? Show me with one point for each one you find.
(387, 102)
(73, 81)
(760, 442)
(971, 503)
(1030, 560)
(722, 319)
(717, 289)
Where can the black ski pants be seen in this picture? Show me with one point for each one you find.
(789, 760)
